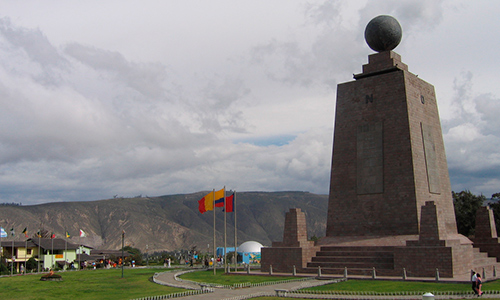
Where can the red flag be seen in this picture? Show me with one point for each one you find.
(201, 205)
(53, 236)
(230, 203)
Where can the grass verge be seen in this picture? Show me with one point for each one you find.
(402, 286)
(381, 286)
(92, 284)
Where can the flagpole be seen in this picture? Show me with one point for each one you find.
(235, 235)
(215, 248)
(80, 247)
(12, 257)
(25, 257)
(123, 246)
(26, 252)
(52, 252)
(12, 234)
(225, 239)
(39, 255)
(65, 249)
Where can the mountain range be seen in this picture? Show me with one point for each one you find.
(166, 223)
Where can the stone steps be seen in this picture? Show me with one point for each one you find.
(483, 261)
(342, 253)
(354, 259)
(353, 271)
(359, 260)
(349, 265)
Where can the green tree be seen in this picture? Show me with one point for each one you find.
(466, 205)
(135, 255)
(31, 264)
(495, 206)
(314, 238)
(4, 267)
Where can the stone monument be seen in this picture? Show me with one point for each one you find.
(390, 204)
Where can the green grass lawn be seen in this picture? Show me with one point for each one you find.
(230, 279)
(92, 284)
(402, 286)
(381, 286)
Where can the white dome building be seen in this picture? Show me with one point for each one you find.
(250, 251)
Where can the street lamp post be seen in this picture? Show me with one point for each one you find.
(123, 259)
(39, 254)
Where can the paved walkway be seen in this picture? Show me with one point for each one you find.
(168, 278)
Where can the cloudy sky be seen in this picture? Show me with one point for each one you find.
(127, 98)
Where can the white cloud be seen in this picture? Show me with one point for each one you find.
(176, 97)
(472, 139)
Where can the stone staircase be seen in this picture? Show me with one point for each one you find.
(483, 261)
(362, 259)
(358, 260)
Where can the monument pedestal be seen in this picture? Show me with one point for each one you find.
(294, 250)
(451, 255)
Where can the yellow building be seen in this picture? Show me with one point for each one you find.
(48, 252)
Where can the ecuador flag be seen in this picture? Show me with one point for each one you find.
(207, 203)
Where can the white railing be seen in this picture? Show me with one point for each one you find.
(176, 295)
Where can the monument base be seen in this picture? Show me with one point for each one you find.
(446, 258)
(429, 254)
(284, 259)
(392, 256)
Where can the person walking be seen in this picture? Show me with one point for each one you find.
(479, 284)
(474, 282)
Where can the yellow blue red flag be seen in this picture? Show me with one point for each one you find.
(207, 203)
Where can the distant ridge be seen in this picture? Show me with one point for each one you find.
(167, 222)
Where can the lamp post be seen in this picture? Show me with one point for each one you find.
(147, 257)
(39, 254)
(123, 259)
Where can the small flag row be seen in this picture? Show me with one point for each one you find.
(3, 233)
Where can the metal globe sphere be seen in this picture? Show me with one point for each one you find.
(383, 33)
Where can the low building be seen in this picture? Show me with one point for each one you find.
(48, 252)
(56, 252)
(100, 257)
